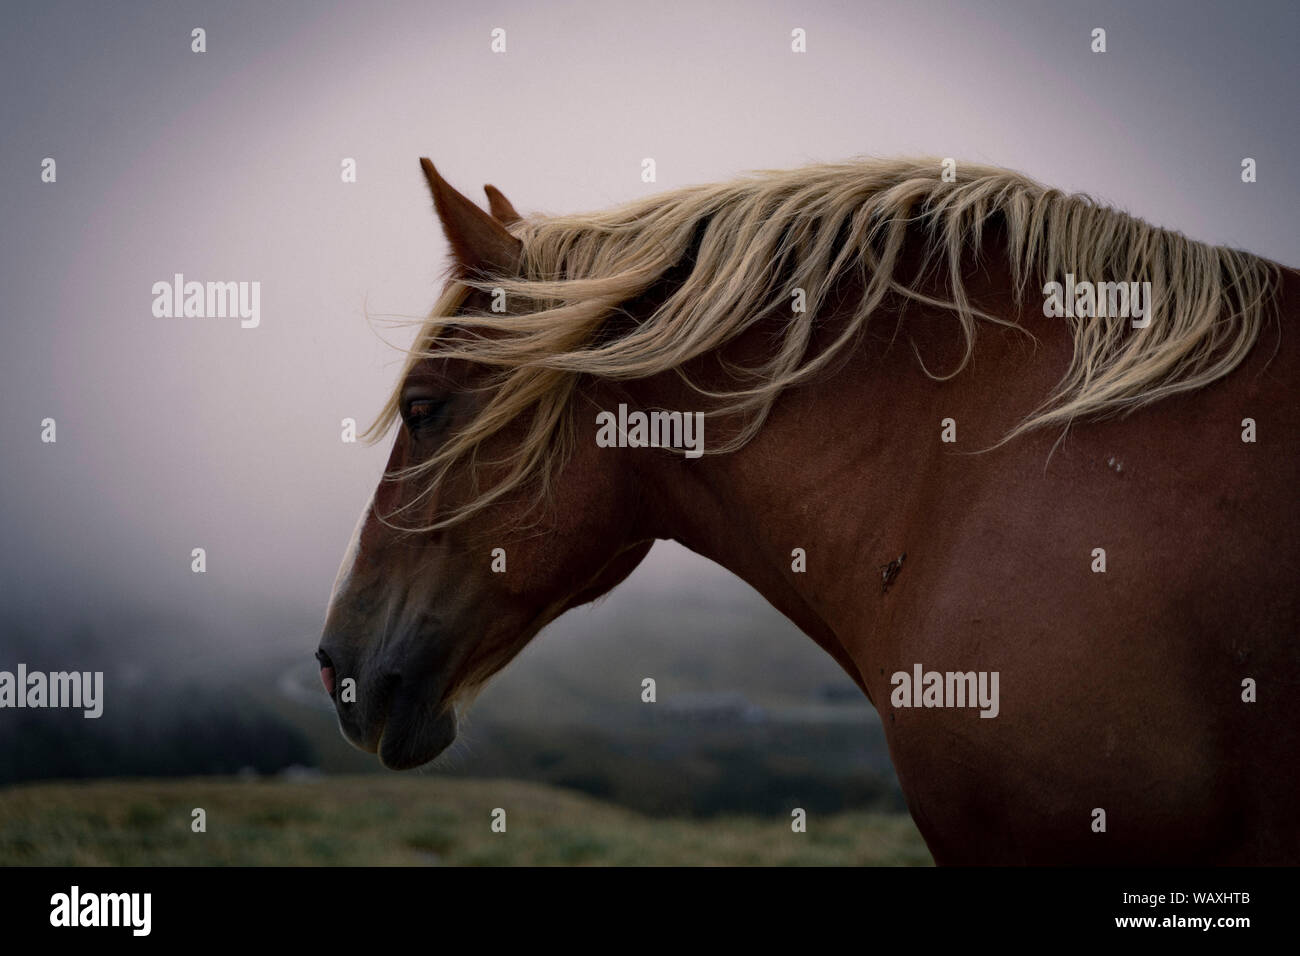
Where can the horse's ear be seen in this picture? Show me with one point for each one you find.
(502, 211)
(480, 244)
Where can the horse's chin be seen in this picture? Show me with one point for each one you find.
(406, 744)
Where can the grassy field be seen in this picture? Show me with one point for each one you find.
(417, 821)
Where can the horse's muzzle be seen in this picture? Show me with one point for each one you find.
(397, 713)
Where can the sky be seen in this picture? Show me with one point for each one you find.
(176, 433)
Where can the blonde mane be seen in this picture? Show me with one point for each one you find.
(751, 242)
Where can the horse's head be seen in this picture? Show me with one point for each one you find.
(468, 549)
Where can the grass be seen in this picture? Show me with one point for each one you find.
(377, 820)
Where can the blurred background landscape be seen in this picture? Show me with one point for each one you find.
(751, 720)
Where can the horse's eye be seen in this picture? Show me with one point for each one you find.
(422, 412)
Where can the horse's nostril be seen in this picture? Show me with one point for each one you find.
(326, 671)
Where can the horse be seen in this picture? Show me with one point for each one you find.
(928, 467)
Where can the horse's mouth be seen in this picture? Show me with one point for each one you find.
(396, 705)
(405, 724)
(415, 733)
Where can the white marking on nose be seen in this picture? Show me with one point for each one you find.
(350, 556)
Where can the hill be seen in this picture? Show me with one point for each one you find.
(409, 820)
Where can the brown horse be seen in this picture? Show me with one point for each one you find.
(1053, 537)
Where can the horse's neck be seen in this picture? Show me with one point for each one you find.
(845, 468)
